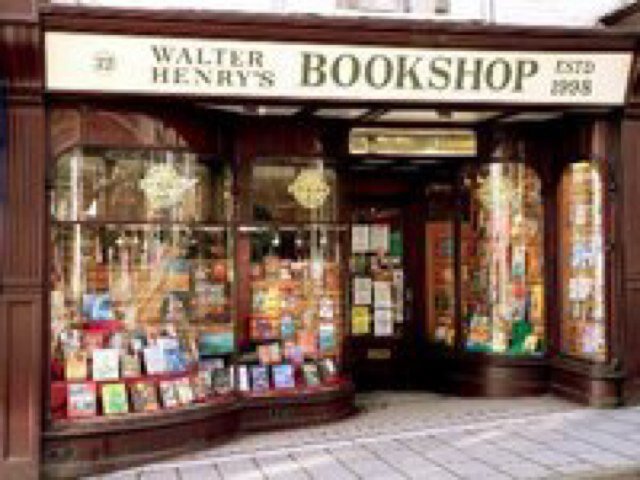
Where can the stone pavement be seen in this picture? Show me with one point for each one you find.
(422, 435)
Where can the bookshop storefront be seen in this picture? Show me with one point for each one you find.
(246, 220)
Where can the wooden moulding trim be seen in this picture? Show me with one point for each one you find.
(331, 29)
(231, 405)
(491, 360)
(162, 418)
(586, 369)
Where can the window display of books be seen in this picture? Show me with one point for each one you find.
(504, 301)
(296, 310)
(138, 304)
(377, 280)
(582, 262)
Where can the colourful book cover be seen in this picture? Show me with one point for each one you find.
(144, 397)
(131, 366)
(154, 361)
(106, 364)
(185, 391)
(200, 390)
(76, 365)
(114, 399)
(222, 381)
(211, 344)
(327, 337)
(168, 394)
(259, 378)
(81, 400)
(311, 374)
(283, 376)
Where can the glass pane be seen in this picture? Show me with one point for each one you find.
(296, 312)
(582, 262)
(140, 185)
(441, 288)
(504, 301)
(293, 190)
(140, 305)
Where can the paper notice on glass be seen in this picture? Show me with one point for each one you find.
(379, 238)
(360, 238)
(382, 294)
(362, 291)
(383, 322)
(360, 320)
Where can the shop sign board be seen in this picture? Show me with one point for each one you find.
(86, 62)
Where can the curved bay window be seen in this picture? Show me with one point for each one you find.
(502, 277)
(142, 306)
(582, 272)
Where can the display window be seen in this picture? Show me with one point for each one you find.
(293, 190)
(582, 262)
(503, 304)
(293, 305)
(142, 287)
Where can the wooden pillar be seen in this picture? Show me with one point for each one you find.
(629, 234)
(22, 243)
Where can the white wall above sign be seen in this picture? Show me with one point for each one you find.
(246, 69)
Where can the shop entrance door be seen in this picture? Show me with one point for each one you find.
(386, 277)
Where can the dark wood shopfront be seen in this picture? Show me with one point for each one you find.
(408, 360)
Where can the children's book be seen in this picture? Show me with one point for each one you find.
(185, 391)
(168, 394)
(81, 400)
(144, 397)
(131, 366)
(283, 376)
(311, 374)
(106, 364)
(259, 378)
(76, 365)
(114, 399)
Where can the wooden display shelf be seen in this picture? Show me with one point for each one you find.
(93, 446)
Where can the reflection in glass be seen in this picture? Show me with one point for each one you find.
(295, 190)
(140, 185)
(582, 257)
(504, 301)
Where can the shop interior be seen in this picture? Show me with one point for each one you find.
(275, 250)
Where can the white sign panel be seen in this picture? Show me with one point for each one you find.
(247, 69)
